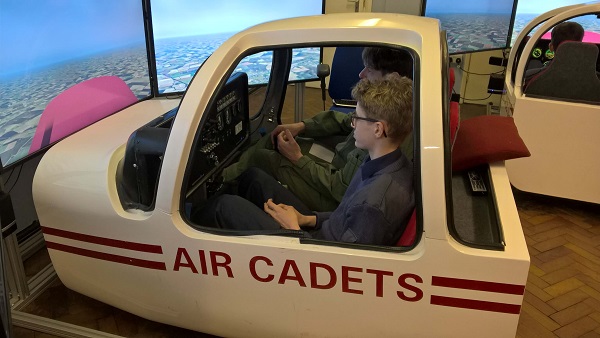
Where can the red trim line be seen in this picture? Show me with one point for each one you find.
(107, 257)
(476, 304)
(149, 248)
(468, 284)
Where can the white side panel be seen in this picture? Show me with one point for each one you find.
(563, 140)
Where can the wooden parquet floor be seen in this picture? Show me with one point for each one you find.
(562, 296)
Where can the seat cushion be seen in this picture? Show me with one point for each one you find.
(486, 139)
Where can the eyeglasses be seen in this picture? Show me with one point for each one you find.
(354, 117)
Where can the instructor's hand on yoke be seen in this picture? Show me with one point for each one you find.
(294, 128)
(288, 147)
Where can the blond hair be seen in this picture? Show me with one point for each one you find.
(389, 99)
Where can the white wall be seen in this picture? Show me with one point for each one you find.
(349, 6)
(396, 6)
(473, 86)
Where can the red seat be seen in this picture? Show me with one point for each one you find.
(454, 109)
(454, 120)
(410, 233)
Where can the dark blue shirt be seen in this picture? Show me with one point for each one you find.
(377, 205)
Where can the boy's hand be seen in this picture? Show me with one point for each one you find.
(288, 147)
(285, 215)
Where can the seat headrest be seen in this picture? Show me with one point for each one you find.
(346, 64)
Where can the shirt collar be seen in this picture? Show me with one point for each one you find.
(370, 167)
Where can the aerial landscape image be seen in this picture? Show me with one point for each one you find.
(184, 36)
(473, 25)
(55, 45)
(178, 59)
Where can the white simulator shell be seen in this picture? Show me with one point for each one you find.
(560, 135)
(155, 265)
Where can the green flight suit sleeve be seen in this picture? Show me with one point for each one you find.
(327, 123)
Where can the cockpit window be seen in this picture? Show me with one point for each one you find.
(302, 182)
(563, 64)
(543, 52)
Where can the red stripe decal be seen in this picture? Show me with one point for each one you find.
(149, 248)
(107, 257)
(475, 304)
(468, 284)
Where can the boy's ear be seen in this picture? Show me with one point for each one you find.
(380, 129)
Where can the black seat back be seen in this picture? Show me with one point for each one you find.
(571, 76)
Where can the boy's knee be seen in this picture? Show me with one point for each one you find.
(215, 211)
(254, 175)
(225, 203)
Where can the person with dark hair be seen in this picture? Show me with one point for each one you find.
(564, 31)
(385, 61)
(379, 200)
(318, 183)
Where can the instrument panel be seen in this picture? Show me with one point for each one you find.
(226, 127)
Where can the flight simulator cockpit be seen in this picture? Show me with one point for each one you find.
(556, 110)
